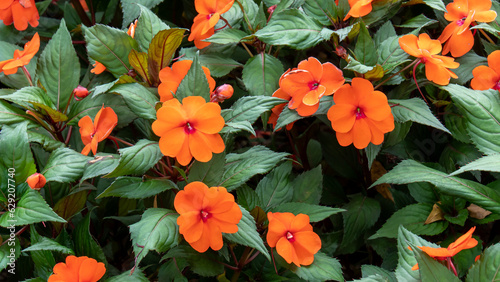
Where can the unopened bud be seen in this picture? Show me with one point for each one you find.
(222, 93)
(80, 92)
(341, 52)
(36, 181)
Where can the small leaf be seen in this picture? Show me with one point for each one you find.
(477, 212)
(194, 83)
(275, 188)
(101, 164)
(415, 110)
(65, 165)
(157, 230)
(163, 47)
(136, 188)
(436, 215)
(261, 74)
(148, 25)
(10, 114)
(419, 21)
(31, 208)
(247, 234)
(487, 268)
(46, 244)
(436, 4)
(138, 98)
(315, 212)
(218, 65)
(137, 159)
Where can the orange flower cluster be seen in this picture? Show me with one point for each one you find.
(190, 129)
(36, 181)
(360, 114)
(487, 77)
(462, 14)
(21, 58)
(462, 243)
(78, 269)
(19, 12)
(359, 8)
(436, 66)
(171, 78)
(94, 132)
(293, 237)
(204, 214)
(209, 13)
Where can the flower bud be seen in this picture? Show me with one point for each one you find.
(222, 93)
(36, 181)
(80, 92)
(341, 52)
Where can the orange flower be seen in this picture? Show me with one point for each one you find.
(189, 130)
(463, 13)
(80, 92)
(423, 47)
(462, 243)
(19, 12)
(309, 82)
(204, 214)
(93, 133)
(487, 77)
(78, 269)
(98, 68)
(360, 114)
(209, 12)
(171, 79)
(276, 111)
(36, 181)
(131, 29)
(293, 237)
(221, 93)
(21, 58)
(359, 8)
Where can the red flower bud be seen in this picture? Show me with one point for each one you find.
(222, 93)
(36, 181)
(80, 92)
(341, 52)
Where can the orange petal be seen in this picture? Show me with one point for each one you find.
(190, 225)
(307, 243)
(208, 119)
(168, 119)
(436, 252)
(203, 243)
(192, 104)
(409, 44)
(375, 106)
(448, 31)
(184, 156)
(314, 67)
(305, 110)
(105, 120)
(198, 147)
(431, 45)
(494, 61)
(332, 78)
(484, 78)
(361, 134)
(300, 223)
(276, 229)
(215, 235)
(91, 270)
(312, 97)
(485, 16)
(342, 117)
(173, 141)
(437, 74)
(286, 251)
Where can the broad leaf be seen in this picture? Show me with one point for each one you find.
(249, 108)
(261, 74)
(365, 48)
(85, 244)
(138, 98)
(487, 268)
(308, 186)
(59, 67)
(436, 4)
(315, 212)
(410, 171)
(157, 230)
(486, 163)
(163, 47)
(218, 65)
(6, 254)
(139, 61)
(101, 164)
(321, 10)
(368, 270)
(46, 244)
(131, 9)
(419, 21)
(137, 159)
(27, 97)
(16, 154)
(10, 114)
(275, 188)
(136, 188)
(247, 234)
(204, 264)
(209, 172)
(65, 165)
(227, 36)
(194, 83)
(415, 110)
(323, 268)
(430, 269)
(148, 25)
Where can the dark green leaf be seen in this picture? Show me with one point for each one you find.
(194, 83)
(323, 11)
(486, 163)
(138, 98)
(315, 212)
(386, 275)
(128, 276)
(261, 74)
(101, 164)
(218, 65)
(308, 186)
(415, 110)
(436, 4)
(137, 159)
(365, 48)
(46, 244)
(48, 143)
(65, 165)
(250, 108)
(10, 114)
(467, 62)
(27, 96)
(487, 268)
(85, 244)
(430, 269)
(136, 188)
(227, 36)
(6, 255)
(323, 268)
(204, 264)
(210, 172)
(148, 25)
(16, 154)
(419, 21)
(131, 9)
(275, 188)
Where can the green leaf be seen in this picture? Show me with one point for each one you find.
(227, 36)
(365, 48)
(487, 268)
(308, 186)
(10, 114)
(247, 197)
(293, 28)
(413, 218)
(163, 47)
(467, 62)
(406, 259)
(218, 65)
(148, 25)
(343, 32)
(59, 67)
(321, 10)
(368, 270)
(261, 74)
(157, 230)
(357, 66)
(31, 208)
(101, 164)
(137, 159)
(138, 98)
(430, 269)
(16, 153)
(419, 21)
(65, 165)
(6, 255)
(247, 234)
(323, 268)
(288, 116)
(109, 46)
(249, 108)
(209, 172)
(131, 9)
(233, 127)
(43, 260)
(470, 190)
(46, 244)
(48, 143)
(436, 4)
(28, 96)
(204, 264)
(71, 205)
(85, 244)
(361, 214)
(315, 212)
(194, 83)
(136, 188)
(383, 33)
(482, 112)
(139, 61)
(486, 163)
(275, 188)
(241, 167)
(416, 110)
(128, 276)
(390, 54)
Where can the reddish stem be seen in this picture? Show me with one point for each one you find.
(416, 83)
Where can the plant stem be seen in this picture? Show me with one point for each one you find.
(246, 48)
(27, 74)
(402, 70)
(68, 136)
(487, 37)
(245, 17)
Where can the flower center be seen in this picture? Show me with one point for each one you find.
(209, 16)
(313, 85)
(359, 113)
(188, 128)
(497, 86)
(205, 215)
(461, 21)
(289, 237)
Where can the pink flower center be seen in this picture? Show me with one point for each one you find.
(461, 21)
(313, 85)
(359, 113)
(205, 215)
(209, 16)
(289, 237)
(423, 60)
(189, 129)
(496, 86)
